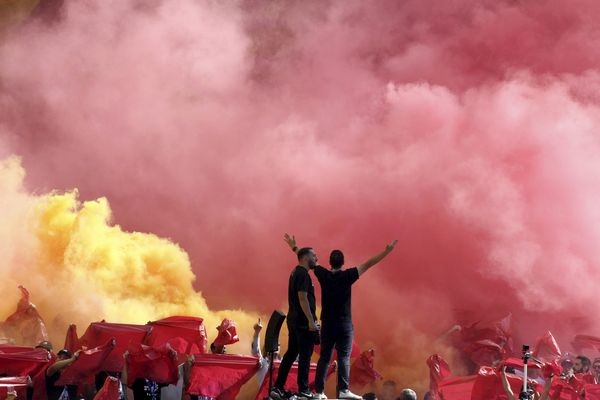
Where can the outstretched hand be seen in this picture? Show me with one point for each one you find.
(290, 240)
(258, 326)
(391, 246)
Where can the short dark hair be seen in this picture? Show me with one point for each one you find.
(408, 394)
(303, 252)
(336, 259)
(584, 360)
(369, 396)
(64, 352)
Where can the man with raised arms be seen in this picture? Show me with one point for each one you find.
(337, 330)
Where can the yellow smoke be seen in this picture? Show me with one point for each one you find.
(80, 267)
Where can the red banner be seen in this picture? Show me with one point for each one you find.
(546, 348)
(189, 330)
(488, 385)
(363, 371)
(18, 383)
(71, 340)
(227, 334)
(592, 392)
(25, 325)
(158, 365)
(586, 342)
(438, 371)
(28, 362)
(98, 333)
(109, 391)
(88, 364)
(562, 390)
(457, 388)
(221, 375)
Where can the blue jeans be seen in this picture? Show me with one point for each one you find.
(338, 335)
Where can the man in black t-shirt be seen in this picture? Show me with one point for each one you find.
(63, 360)
(302, 327)
(336, 316)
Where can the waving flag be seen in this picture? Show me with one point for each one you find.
(221, 375)
(89, 363)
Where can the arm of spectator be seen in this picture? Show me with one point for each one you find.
(256, 340)
(507, 389)
(364, 267)
(547, 386)
(187, 374)
(62, 364)
(124, 370)
(303, 297)
(291, 241)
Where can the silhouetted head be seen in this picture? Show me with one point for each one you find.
(63, 354)
(307, 257)
(408, 394)
(336, 259)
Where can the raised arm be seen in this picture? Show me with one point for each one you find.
(256, 340)
(507, 389)
(364, 267)
(62, 364)
(291, 241)
(547, 386)
(124, 370)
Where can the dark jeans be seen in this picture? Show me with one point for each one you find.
(336, 335)
(301, 344)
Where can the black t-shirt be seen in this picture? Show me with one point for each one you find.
(336, 293)
(53, 392)
(145, 389)
(300, 282)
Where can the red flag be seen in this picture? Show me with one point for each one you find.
(291, 383)
(25, 325)
(586, 342)
(8, 348)
(190, 331)
(156, 364)
(488, 385)
(546, 348)
(110, 390)
(518, 363)
(19, 383)
(486, 343)
(98, 333)
(28, 362)
(551, 369)
(221, 375)
(363, 371)
(438, 370)
(227, 334)
(87, 365)
(71, 340)
(592, 392)
(562, 390)
(457, 388)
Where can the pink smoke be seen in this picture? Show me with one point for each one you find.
(468, 130)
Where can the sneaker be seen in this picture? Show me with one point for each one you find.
(278, 394)
(322, 396)
(346, 394)
(308, 396)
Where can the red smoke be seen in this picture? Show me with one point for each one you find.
(468, 130)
